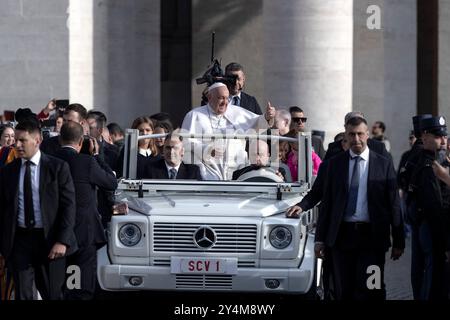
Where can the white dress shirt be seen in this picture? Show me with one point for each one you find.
(35, 177)
(362, 209)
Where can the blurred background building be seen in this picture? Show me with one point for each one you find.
(134, 57)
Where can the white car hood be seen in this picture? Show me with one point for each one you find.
(226, 204)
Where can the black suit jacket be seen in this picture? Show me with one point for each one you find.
(142, 163)
(376, 146)
(105, 198)
(57, 199)
(315, 194)
(51, 145)
(383, 202)
(158, 170)
(250, 103)
(88, 173)
(407, 164)
(111, 154)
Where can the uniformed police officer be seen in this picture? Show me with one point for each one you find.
(406, 167)
(407, 161)
(430, 218)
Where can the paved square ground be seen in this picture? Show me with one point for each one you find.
(397, 275)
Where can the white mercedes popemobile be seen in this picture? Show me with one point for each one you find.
(211, 235)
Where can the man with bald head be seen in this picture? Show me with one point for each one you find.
(218, 161)
(90, 173)
(259, 158)
(282, 121)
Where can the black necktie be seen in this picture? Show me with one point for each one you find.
(172, 173)
(353, 190)
(236, 101)
(28, 197)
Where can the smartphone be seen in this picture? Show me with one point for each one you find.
(46, 134)
(62, 104)
(9, 115)
(49, 123)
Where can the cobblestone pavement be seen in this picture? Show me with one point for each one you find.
(397, 275)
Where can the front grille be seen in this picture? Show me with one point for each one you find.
(199, 281)
(178, 237)
(165, 262)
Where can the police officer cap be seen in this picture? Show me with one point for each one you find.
(416, 121)
(434, 125)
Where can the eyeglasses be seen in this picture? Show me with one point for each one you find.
(301, 119)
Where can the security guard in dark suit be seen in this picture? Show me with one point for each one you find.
(430, 217)
(89, 173)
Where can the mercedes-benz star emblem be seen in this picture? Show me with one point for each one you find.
(205, 237)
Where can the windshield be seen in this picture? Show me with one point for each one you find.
(223, 156)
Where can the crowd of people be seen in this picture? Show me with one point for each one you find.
(57, 189)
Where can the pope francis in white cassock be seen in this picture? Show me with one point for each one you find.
(218, 159)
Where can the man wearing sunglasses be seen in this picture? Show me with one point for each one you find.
(298, 124)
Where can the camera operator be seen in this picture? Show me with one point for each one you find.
(97, 125)
(90, 173)
(96, 121)
(237, 96)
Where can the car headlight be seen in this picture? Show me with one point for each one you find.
(280, 237)
(130, 234)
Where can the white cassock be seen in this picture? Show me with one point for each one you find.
(203, 120)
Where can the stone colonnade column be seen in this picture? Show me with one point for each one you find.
(308, 48)
(115, 57)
